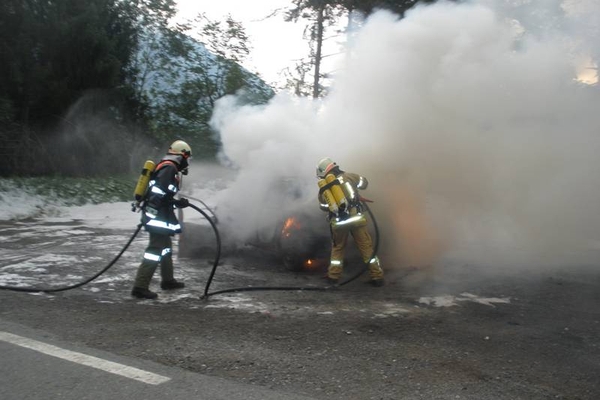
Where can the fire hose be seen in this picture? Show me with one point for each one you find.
(60, 289)
(213, 271)
(296, 288)
(109, 265)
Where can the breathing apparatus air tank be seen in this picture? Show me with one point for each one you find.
(333, 195)
(142, 183)
(328, 196)
(336, 194)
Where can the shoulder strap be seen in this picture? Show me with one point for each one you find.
(328, 185)
(163, 163)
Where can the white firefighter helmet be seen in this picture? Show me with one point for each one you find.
(180, 147)
(324, 167)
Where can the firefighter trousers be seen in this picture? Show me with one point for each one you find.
(158, 252)
(363, 241)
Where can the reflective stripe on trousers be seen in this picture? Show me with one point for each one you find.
(363, 241)
(156, 258)
(157, 253)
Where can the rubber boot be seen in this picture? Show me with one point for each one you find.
(172, 284)
(143, 293)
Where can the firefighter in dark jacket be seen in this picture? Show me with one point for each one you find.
(346, 218)
(158, 218)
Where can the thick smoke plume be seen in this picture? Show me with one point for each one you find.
(468, 120)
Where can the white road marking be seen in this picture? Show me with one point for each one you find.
(90, 361)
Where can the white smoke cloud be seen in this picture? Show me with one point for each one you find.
(274, 148)
(466, 118)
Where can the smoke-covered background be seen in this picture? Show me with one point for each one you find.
(478, 140)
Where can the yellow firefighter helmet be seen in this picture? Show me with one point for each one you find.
(180, 147)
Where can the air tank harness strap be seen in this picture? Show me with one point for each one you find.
(353, 202)
(163, 163)
(328, 185)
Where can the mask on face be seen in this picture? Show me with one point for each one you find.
(184, 166)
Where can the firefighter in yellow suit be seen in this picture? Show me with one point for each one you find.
(346, 218)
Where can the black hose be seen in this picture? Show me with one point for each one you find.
(218, 238)
(60, 289)
(213, 271)
(294, 288)
(261, 288)
(214, 216)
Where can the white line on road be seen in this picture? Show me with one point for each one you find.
(90, 361)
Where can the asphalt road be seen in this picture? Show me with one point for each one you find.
(36, 366)
(446, 332)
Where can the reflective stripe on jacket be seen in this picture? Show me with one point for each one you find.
(158, 215)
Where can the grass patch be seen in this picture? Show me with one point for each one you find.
(73, 191)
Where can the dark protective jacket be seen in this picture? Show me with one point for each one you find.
(158, 214)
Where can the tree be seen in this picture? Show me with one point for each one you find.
(296, 79)
(322, 15)
(55, 53)
(369, 6)
(81, 79)
(190, 80)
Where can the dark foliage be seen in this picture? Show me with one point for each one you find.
(55, 53)
(368, 6)
(74, 90)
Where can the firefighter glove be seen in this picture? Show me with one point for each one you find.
(181, 203)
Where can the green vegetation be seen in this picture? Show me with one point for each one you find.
(71, 191)
(94, 87)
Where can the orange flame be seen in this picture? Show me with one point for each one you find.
(290, 224)
(314, 264)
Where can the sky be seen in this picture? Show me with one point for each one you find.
(275, 43)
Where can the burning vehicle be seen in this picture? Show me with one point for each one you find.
(302, 241)
(295, 233)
